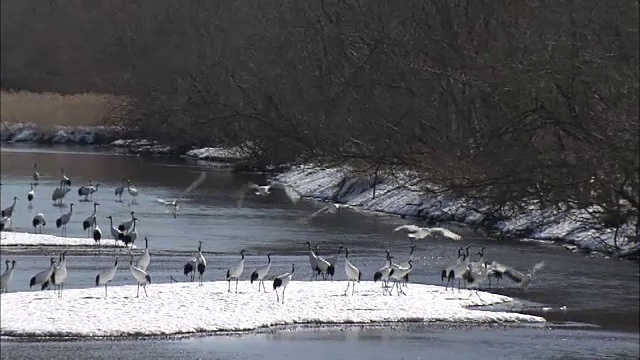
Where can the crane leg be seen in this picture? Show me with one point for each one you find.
(229, 288)
(347, 289)
(277, 296)
(138, 293)
(144, 287)
(236, 285)
(353, 288)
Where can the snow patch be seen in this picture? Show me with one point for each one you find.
(26, 239)
(143, 146)
(216, 154)
(60, 134)
(176, 308)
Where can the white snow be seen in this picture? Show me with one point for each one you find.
(185, 308)
(26, 239)
(398, 196)
(142, 146)
(60, 134)
(216, 154)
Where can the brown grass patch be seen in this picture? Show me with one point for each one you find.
(50, 109)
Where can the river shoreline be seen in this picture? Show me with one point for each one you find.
(386, 196)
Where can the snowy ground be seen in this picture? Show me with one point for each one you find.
(142, 146)
(216, 154)
(179, 308)
(26, 239)
(400, 198)
(81, 135)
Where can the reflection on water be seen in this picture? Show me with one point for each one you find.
(594, 290)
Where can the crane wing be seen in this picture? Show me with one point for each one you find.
(291, 193)
(447, 233)
(164, 202)
(197, 182)
(514, 275)
(251, 185)
(242, 192)
(498, 267)
(537, 267)
(409, 228)
(319, 211)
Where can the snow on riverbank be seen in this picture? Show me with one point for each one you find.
(398, 198)
(143, 146)
(76, 135)
(26, 239)
(216, 154)
(175, 309)
(392, 197)
(80, 135)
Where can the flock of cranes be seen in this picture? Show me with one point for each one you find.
(476, 273)
(55, 275)
(472, 273)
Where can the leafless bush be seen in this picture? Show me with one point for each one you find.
(503, 102)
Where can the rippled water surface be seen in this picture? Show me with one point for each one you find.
(597, 291)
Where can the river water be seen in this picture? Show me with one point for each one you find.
(600, 295)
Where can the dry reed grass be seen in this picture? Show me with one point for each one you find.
(51, 109)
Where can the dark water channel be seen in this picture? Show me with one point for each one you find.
(600, 295)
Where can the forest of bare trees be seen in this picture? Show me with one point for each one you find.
(503, 101)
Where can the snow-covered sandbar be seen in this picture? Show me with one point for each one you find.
(26, 239)
(186, 308)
